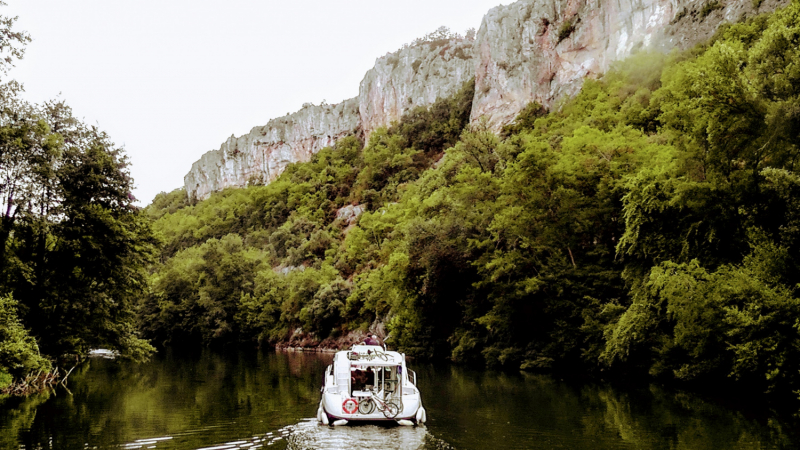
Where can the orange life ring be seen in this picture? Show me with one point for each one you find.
(350, 405)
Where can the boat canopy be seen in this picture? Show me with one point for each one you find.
(366, 364)
(363, 356)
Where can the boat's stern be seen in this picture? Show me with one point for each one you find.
(337, 407)
(365, 384)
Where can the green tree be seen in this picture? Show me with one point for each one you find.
(19, 353)
(79, 251)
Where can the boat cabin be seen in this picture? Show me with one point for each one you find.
(370, 369)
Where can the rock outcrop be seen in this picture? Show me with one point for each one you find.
(531, 50)
(413, 76)
(542, 50)
(264, 153)
(349, 213)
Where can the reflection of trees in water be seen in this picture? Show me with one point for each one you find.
(659, 418)
(210, 398)
(17, 415)
(300, 363)
(205, 395)
(476, 409)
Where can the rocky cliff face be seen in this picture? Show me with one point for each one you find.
(265, 152)
(542, 50)
(413, 76)
(531, 50)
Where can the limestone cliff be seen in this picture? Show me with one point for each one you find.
(531, 50)
(542, 50)
(415, 75)
(265, 152)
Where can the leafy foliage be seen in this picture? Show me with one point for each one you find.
(441, 36)
(710, 7)
(289, 227)
(650, 224)
(566, 29)
(12, 45)
(79, 250)
(19, 353)
(74, 250)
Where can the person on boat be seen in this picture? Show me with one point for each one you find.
(358, 380)
(372, 340)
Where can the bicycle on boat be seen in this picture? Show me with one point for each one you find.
(389, 408)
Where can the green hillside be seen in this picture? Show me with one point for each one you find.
(649, 225)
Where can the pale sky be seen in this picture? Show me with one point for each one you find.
(172, 79)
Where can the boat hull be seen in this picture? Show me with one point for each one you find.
(331, 405)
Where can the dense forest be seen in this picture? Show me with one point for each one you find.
(650, 225)
(74, 250)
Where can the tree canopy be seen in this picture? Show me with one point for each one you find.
(647, 225)
(74, 249)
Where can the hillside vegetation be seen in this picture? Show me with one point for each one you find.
(649, 225)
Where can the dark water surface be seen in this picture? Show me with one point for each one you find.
(248, 400)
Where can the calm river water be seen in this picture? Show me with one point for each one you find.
(247, 400)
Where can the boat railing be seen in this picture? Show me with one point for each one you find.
(371, 354)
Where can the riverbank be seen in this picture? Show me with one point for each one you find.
(35, 384)
(306, 342)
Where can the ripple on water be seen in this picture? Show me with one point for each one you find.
(309, 434)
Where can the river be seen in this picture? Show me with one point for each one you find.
(251, 399)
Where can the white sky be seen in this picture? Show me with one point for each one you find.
(172, 79)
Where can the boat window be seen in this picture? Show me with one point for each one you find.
(362, 379)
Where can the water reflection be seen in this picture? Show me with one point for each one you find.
(245, 400)
(197, 399)
(478, 409)
(309, 435)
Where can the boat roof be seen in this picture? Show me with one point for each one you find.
(392, 358)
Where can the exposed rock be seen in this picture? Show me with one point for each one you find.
(542, 50)
(264, 153)
(349, 213)
(413, 76)
(286, 270)
(378, 328)
(308, 342)
(302, 341)
(531, 50)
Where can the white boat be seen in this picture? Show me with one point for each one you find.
(369, 383)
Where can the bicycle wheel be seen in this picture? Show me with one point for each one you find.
(391, 410)
(366, 406)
